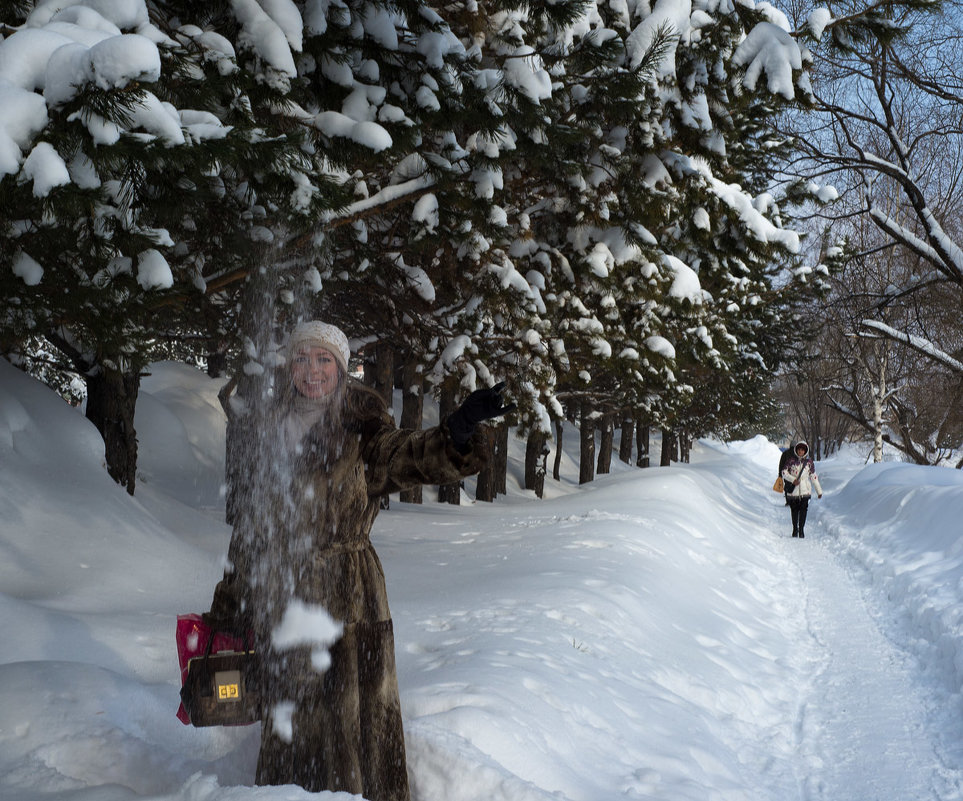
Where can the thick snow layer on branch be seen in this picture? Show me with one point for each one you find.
(824, 194)
(64, 48)
(316, 15)
(954, 256)
(455, 350)
(757, 224)
(436, 47)
(654, 171)
(264, 36)
(61, 72)
(508, 276)
(524, 70)
(24, 116)
(202, 125)
(426, 211)
(685, 281)
(621, 251)
(771, 50)
(365, 133)
(158, 119)
(27, 269)
(670, 16)
(817, 21)
(661, 346)
(45, 168)
(119, 60)
(125, 14)
(389, 194)
(153, 271)
(24, 56)
(418, 280)
(380, 24)
(600, 260)
(917, 343)
(285, 14)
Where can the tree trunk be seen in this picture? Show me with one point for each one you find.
(625, 440)
(111, 400)
(606, 442)
(642, 445)
(447, 403)
(485, 489)
(501, 457)
(879, 402)
(586, 465)
(668, 448)
(216, 358)
(379, 370)
(557, 464)
(536, 457)
(412, 415)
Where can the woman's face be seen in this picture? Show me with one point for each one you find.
(314, 371)
(800, 452)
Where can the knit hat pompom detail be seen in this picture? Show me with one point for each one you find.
(325, 335)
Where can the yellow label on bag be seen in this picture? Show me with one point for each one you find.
(228, 684)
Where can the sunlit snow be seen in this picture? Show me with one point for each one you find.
(652, 635)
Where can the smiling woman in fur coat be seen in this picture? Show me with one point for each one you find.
(799, 478)
(327, 451)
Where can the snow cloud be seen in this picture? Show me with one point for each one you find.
(310, 625)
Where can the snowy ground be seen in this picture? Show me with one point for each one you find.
(655, 635)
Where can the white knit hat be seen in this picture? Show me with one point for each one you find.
(326, 335)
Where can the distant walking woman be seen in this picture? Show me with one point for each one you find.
(799, 478)
(326, 450)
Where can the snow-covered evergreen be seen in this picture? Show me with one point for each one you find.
(574, 195)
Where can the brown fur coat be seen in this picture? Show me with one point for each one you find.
(304, 534)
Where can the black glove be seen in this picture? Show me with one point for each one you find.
(481, 405)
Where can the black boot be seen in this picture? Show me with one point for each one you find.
(794, 512)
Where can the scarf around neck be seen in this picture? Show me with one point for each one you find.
(305, 413)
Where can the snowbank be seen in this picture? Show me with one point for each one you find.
(644, 637)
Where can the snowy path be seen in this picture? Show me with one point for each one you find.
(862, 731)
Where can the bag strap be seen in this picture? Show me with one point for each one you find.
(248, 643)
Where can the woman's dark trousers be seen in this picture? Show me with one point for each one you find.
(799, 508)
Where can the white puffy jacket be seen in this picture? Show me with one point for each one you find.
(802, 472)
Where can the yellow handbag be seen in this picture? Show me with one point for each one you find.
(778, 486)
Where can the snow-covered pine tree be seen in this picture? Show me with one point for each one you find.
(138, 170)
(540, 156)
(731, 229)
(587, 258)
(726, 237)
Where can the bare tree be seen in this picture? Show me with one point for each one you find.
(886, 127)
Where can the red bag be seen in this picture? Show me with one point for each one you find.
(218, 676)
